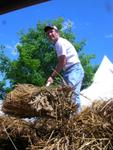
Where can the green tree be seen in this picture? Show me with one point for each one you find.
(3, 89)
(4, 66)
(37, 56)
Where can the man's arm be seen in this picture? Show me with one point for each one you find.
(60, 65)
(58, 68)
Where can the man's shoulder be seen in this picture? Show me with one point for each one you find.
(62, 40)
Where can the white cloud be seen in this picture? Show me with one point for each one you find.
(109, 36)
(13, 49)
(9, 47)
(70, 23)
(67, 24)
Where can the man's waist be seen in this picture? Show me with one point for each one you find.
(69, 66)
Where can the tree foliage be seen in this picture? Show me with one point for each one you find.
(37, 56)
(4, 66)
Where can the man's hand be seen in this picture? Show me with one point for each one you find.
(58, 68)
(49, 81)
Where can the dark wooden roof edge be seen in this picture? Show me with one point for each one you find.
(6, 6)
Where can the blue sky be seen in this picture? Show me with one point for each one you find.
(92, 20)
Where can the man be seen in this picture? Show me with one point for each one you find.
(68, 61)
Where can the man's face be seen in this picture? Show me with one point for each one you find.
(52, 35)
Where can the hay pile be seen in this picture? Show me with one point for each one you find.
(15, 133)
(57, 125)
(34, 101)
(85, 131)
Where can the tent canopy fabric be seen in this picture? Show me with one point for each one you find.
(102, 86)
(104, 72)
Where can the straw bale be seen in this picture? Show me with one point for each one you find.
(63, 128)
(84, 131)
(91, 131)
(30, 101)
(104, 109)
(88, 124)
(16, 102)
(44, 127)
(15, 132)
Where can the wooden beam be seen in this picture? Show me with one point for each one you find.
(11, 5)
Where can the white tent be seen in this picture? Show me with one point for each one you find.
(102, 86)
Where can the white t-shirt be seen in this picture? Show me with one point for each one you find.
(64, 47)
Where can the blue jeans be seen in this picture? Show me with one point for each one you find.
(74, 76)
